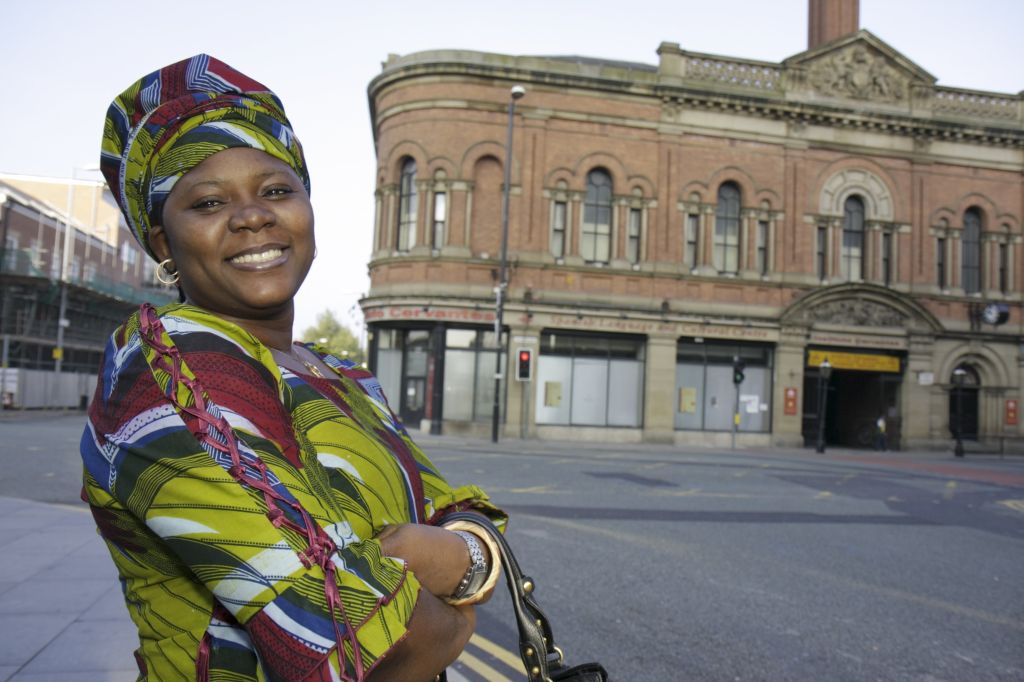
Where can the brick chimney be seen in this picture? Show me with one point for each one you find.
(831, 19)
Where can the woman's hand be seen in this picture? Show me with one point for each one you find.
(438, 557)
(437, 635)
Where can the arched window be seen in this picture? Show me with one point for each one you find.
(852, 256)
(596, 236)
(727, 229)
(970, 249)
(405, 238)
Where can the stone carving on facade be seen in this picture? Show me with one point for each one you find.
(856, 313)
(857, 73)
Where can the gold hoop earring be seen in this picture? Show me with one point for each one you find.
(161, 272)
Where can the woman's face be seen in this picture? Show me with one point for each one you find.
(239, 227)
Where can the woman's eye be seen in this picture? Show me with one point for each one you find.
(278, 191)
(206, 203)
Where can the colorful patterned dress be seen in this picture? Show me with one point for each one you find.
(240, 502)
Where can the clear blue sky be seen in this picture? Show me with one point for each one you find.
(64, 60)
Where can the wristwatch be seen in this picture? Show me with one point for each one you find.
(476, 574)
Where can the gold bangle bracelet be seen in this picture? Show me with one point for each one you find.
(492, 547)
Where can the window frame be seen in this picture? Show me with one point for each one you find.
(854, 228)
(595, 233)
(408, 198)
(971, 276)
(728, 226)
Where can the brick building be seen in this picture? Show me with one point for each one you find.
(65, 285)
(669, 220)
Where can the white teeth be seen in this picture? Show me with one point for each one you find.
(261, 257)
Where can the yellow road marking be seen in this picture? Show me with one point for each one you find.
(950, 490)
(533, 489)
(503, 655)
(1015, 505)
(478, 666)
(694, 492)
(822, 495)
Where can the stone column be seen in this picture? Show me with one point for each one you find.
(916, 400)
(660, 389)
(789, 374)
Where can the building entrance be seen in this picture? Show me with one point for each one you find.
(860, 389)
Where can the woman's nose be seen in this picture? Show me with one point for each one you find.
(251, 215)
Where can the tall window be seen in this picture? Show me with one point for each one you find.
(558, 222)
(762, 247)
(596, 237)
(727, 229)
(940, 263)
(970, 248)
(852, 258)
(633, 235)
(886, 258)
(440, 215)
(1004, 267)
(692, 240)
(406, 237)
(821, 255)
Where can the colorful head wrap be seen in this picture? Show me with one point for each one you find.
(172, 120)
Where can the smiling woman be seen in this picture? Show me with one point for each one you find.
(269, 517)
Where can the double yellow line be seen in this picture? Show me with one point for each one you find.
(486, 671)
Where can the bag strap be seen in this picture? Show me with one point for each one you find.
(536, 641)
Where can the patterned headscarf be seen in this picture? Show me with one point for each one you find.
(172, 120)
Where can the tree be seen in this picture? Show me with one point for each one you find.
(334, 337)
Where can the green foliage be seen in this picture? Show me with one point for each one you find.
(335, 337)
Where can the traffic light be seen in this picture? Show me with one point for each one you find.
(524, 364)
(737, 371)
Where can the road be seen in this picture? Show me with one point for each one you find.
(684, 564)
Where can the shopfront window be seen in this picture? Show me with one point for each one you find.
(469, 365)
(590, 380)
(706, 397)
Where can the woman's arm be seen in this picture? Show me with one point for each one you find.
(437, 556)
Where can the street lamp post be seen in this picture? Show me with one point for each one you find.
(824, 372)
(515, 93)
(959, 375)
(66, 255)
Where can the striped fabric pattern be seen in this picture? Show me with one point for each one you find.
(239, 502)
(171, 120)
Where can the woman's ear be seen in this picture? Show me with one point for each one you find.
(158, 242)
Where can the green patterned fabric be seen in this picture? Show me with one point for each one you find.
(262, 564)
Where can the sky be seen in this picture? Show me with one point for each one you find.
(63, 61)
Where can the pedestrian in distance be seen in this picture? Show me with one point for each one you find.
(269, 517)
(880, 438)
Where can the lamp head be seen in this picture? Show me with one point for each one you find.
(825, 368)
(517, 91)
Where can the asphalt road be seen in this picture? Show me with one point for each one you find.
(679, 564)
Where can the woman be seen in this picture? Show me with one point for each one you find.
(269, 517)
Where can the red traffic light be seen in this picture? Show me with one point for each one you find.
(524, 364)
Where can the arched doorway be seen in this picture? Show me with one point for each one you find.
(963, 402)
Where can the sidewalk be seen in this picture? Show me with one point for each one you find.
(62, 616)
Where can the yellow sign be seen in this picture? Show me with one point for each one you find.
(864, 362)
(58, 354)
(688, 400)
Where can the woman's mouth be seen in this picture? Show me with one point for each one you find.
(258, 258)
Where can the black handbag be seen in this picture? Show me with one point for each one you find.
(543, 660)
